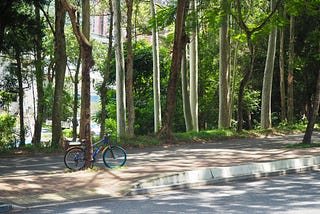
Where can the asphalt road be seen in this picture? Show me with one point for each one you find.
(22, 165)
(293, 194)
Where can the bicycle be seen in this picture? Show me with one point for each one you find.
(113, 156)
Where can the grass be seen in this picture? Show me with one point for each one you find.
(302, 145)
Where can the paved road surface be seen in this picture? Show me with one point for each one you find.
(294, 194)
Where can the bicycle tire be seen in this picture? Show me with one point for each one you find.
(118, 159)
(74, 158)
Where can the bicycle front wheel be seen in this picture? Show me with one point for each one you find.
(114, 157)
(74, 158)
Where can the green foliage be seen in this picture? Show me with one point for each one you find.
(6, 98)
(67, 133)
(48, 102)
(7, 124)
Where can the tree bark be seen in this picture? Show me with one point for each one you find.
(20, 95)
(268, 77)
(185, 93)
(180, 41)
(75, 122)
(60, 69)
(129, 72)
(281, 65)
(156, 71)
(290, 104)
(224, 70)
(194, 69)
(104, 88)
(120, 76)
(39, 81)
(315, 109)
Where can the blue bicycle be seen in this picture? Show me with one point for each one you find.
(113, 156)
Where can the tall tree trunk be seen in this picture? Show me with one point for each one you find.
(21, 102)
(290, 104)
(156, 70)
(76, 99)
(39, 80)
(129, 73)
(268, 77)
(224, 71)
(185, 93)
(281, 65)
(104, 88)
(194, 68)
(314, 113)
(120, 76)
(60, 69)
(87, 62)
(243, 83)
(180, 41)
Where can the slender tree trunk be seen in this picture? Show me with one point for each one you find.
(268, 77)
(224, 72)
(194, 69)
(290, 104)
(103, 92)
(129, 73)
(20, 95)
(76, 99)
(120, 77)
(39, 80)
(156, 71)
(314, 113)
(243, 83)
(281, 65)
(60, 69)
(234, 75)
(180, 41)
(185, 93)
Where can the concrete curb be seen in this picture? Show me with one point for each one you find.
(5, 207)
(223, 174)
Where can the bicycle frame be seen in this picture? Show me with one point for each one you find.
(106, 145)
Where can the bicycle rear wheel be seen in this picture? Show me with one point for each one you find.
(114, 157)
(74, 158)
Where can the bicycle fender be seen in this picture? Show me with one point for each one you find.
(74, 147)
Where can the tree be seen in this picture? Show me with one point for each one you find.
(268, 76)
(120, 76)
(180, 41)
(224, 69)
(194, 68)
(156, 70)
(185, 93)
(39, 80)
(314, 113)
(249, 33)
(281, 70)
(290, 104)
(60, 69)
(103, 90)
(129, 71)
(87, 62)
